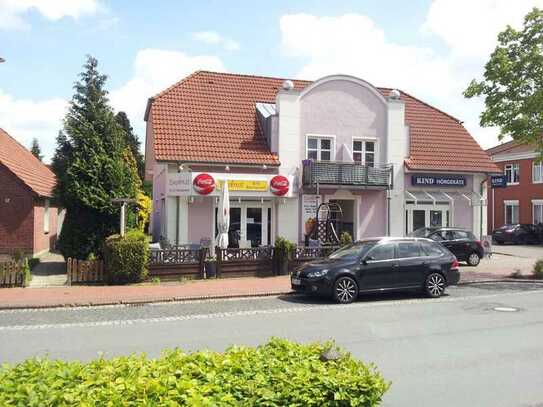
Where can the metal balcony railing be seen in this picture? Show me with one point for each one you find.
(346, 174)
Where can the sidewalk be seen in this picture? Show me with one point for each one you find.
(12, 298)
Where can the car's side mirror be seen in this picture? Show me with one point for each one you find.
(366, 259)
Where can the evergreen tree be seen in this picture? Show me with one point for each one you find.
(132, 142)
(35, 149)
(92, 167)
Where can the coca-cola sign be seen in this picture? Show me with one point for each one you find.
(204, 184)
(279, 185)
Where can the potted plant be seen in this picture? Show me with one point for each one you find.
(283, 251)
(210, 265)
(345, 239)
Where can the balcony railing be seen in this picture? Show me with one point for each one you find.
(346, 174)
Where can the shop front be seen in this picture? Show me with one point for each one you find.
(443, 200)
(254, 202)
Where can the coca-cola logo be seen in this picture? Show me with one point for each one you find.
(204, 184)
(279, 185)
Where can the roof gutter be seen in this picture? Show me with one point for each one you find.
(216, 164)
(148, 108)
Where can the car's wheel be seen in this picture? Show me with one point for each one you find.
(345, 290)
(435, 285)
(473, 259)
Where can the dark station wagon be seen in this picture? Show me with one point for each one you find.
(378, 265)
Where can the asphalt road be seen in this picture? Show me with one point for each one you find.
(455, 351)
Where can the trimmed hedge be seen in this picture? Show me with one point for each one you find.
(126, 258)
(279, 373)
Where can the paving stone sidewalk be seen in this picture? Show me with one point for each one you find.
(223, 288)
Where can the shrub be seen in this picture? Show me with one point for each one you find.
(538, 269)
(283, 248)
(279, 373)
(27, 276)
(345, 239)
(126, 257)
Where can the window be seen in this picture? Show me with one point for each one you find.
(460, 234)
(511, 213)
(432, 249)
(46, 216)
(537, 173)
(512, 173)
(537, 212)
(408, 249)
(364, 152)
(319, 148)
(382, 252)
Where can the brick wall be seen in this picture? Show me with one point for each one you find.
(44, 241)
(16, 214)
(524, 192)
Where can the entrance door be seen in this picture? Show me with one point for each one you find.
(419, 219)
(432, 216)
(348, 220)
(250, 224)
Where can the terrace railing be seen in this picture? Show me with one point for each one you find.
(347, 174)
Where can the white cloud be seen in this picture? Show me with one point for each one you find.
(12, 11)
(214, 38)
(470, 28)
(154, 71)
(25, 119)
(354, 44)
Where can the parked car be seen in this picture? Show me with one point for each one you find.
(517, 234)
(462, 243)
(378, 265)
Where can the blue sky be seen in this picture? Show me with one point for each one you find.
(429, 48)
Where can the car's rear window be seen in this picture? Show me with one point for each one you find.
(433, 249)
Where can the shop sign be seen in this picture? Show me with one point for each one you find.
(245, 185)
(310, 203)
(204, 184)
(498, 181)
(279, 185)
(178, 184)
(438, 180)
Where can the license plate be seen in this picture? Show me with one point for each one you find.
(296, 281)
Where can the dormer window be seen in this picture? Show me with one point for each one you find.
(364, 152)
(320, 148)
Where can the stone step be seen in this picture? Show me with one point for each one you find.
(54, 280)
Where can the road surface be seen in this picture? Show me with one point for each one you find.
(480, 345)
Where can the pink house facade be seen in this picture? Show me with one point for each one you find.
(285, 147)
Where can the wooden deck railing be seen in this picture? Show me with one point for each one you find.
(84, 271)
(11, 275)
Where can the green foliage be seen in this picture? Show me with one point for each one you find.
(345, 239)
(126, 257)
(279, 373)
(283, 248)
(538, 269)
(513, 83)
(132, 141)
(35, 149)
(144, 207)
(84, 231)
(93, 165)
(27, 276)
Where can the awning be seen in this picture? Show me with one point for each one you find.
(444, 197)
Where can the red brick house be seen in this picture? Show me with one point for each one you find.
(521, 201)
(28, 214)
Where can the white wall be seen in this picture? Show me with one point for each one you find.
(287, 221)
(397, 152)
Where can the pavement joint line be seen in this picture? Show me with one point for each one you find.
(230, 314)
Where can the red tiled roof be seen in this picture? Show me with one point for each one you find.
(211, 117)
(511, 147)
(31, 171)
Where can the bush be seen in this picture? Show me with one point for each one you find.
(27, 276)
(345, 239)
(279, 373)
(538, 269)
(283, 248)
(126, 258)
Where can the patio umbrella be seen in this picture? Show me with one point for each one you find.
(223, 218)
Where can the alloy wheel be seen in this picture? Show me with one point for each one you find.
(473, 259)
(346, 290)
(435, 285)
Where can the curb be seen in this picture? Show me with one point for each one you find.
(144, 301)
(502, 280)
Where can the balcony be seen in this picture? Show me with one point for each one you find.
(347, 174)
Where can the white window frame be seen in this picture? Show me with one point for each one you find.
(363, 152)
(515, 169)
(537, 203)
(514, 204)
(445, 209)
(540, 166)
(46, 206)
(319, 137)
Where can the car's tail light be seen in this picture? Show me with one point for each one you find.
(479, 243)
(455, 264)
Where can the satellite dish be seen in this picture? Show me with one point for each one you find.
(395, 94)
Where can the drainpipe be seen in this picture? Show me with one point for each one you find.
(178, 205)
(481, 189)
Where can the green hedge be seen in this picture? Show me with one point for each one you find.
(126, 257)
(279, 373)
